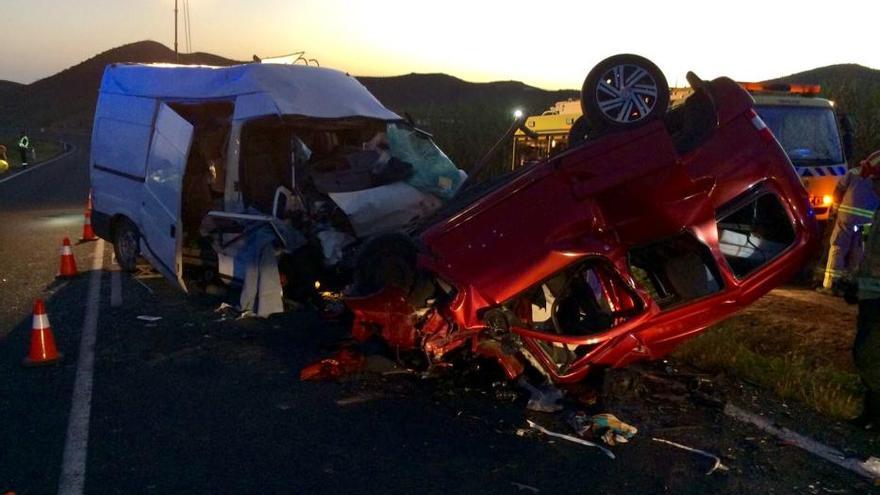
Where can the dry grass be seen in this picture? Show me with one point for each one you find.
(791, 367)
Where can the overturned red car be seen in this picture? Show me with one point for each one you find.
(652, 226)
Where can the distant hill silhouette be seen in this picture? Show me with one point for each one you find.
(67, 99)
(855, 89)
(465, 117)
(9, 85)
(840, 74)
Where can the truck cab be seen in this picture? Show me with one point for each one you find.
(807, 128)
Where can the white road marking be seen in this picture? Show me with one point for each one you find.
(115, 284)
(115, 289)
(38, 165)
(73, 464)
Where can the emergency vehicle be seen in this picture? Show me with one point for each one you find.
(551, 129)
(805, 125)
(807, 128)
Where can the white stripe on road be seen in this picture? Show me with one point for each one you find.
(38, 165)
(115, 288)
(73, 464)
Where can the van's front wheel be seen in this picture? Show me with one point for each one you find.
(126, 245)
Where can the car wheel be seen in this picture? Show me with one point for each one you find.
(126, 245)
(624, 91)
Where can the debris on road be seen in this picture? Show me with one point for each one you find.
(718, 466)
(569, 438)
(149, 318)
(544, 398)
(345, 362)
(145, 286)
(606, 426)
(522, 487)
(359, 398)
(869, 469)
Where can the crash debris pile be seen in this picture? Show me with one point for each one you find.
(345, 362)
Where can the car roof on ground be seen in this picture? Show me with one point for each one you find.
(258, 89)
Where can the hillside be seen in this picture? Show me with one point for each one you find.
(8, 86)
(67, 99)
(855, 90)
(466, 118)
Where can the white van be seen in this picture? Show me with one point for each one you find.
(183, 152)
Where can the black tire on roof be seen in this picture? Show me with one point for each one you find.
(624, 91)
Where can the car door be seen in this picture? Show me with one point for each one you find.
(160, 208)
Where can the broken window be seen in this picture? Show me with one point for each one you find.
(752, 230)
(675, 270)
(585, 300)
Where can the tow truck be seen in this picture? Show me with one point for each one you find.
(810, 132)
(815, 138)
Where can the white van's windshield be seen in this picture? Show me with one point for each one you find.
(809, 135)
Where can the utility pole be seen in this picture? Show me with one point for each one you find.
(176, 56)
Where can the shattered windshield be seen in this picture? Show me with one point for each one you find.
(808, 135)
(432, 170)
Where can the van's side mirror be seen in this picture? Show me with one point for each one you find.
(846, 126)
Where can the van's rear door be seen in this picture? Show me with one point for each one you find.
(160, 209)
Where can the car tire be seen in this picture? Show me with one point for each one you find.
(622, 92)
(126, 244)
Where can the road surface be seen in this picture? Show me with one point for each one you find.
(198, 403)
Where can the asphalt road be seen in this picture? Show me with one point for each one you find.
(195, 402)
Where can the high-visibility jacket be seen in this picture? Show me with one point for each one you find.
(858, 198)
(24, 142)
(869, 270)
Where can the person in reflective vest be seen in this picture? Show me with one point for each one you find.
(858, 199)
(4, 163)
(866, 347)
(23, 145)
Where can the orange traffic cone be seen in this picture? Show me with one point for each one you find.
(68, 263)
(43, 350)
(88, 233)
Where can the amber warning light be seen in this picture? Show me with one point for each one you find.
(795, 89)
(824, 200)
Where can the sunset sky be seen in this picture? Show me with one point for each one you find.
(549, 44)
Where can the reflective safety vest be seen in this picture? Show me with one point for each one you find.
(859, 199)
(24, 142)
(869, 270)
(859, 212)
